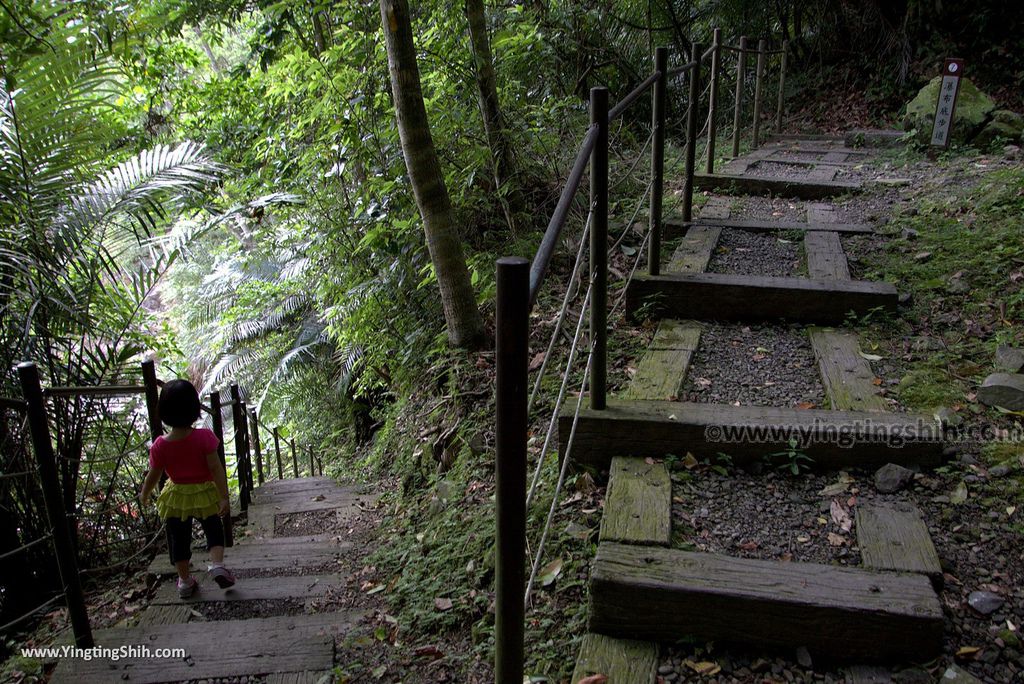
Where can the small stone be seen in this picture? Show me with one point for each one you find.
(955, 675)
(1001, 470)
(1009, 358)
(948, 417)
(908, 233)
(760, 665)
(892, 478)
(1004, 390)
(803, 656)
(665, 669)
(1011, 152)
(985, 602)
(905, 298)
(957, 286)
(922, 257)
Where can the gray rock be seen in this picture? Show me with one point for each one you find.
(948, 417)
(892, 478)
(1009, 358)
(1001, 470)
(957, 286)
(908, 233)
(1003, 389)
(985, 602)
(905, 298)
(913, 675)
(803, 656)
(955, 675)
(922, 257)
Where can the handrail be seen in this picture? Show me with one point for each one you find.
(94, 390)
(542, 260)
(13, 404)
(680, 69)
(624, 103)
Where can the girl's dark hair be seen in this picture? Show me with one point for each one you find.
(179, 403)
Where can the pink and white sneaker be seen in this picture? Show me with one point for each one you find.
(187, 588)
(222, 576)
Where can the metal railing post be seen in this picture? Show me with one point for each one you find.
(217, 420)
(295, 459)
(737, 117)
(511, 351)
(152, 399)
(762, 48)
(599, 248)
(691, 132)
(657, 159)
(277, 450)
(49, 482)
(236, 422)
(716, 56)
(256, 445)
(782, 87)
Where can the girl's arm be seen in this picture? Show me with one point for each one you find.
(152, 478)
(221, 480)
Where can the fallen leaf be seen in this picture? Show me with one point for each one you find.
(594, 679)
(689, 461)
(537, 360)
(749, 546)
(443, 604)
(835, 539)
(959, 495)
(703, 667)
(876, 381)
(805, 405)
(432, 652)
(840, 516)
(1010, 510)
(968, 652)
(870, 357)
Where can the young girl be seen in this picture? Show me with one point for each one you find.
(197, 487)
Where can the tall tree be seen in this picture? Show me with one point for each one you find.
(465, 326)
(494, 123)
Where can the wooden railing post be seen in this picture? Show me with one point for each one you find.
(782, 87)
(312, 470)
(716, 55)
(249, 484)
(512, 340)
(277, 450)
(691, 132)
(237, 420)
(737, 117)
(256, 444)
(295, 459)
(599, 248)
(762, 48)
(152, 398)
(49, 482)
(217, 420)
(657, 159)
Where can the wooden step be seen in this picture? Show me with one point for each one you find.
(758, 225)
(661, 371)
(658, 594)
(638, 504)
(846, 375)
(694, 251)
(826, 259)
(232, 648)
(777, 187)
(622, 661)
(833, 439)
(894, 537)
(253, 589)
(726, 296)
(297, 557)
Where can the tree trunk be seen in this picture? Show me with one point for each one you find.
(509, 192)
(465, 326)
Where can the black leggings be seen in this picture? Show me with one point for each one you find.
(179, 536)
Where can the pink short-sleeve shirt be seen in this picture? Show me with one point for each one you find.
(184, 460)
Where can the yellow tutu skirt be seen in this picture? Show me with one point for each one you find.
(198, 500)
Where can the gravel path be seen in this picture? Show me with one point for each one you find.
(309, 522)
(755, 365)
(744, 252)
(767, 208)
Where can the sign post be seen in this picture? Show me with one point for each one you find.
(945, 108)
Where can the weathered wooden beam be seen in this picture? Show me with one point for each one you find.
(638, 504)
(778, 187)
(727, 296)
(299, 557)
(826, 259)
(756, 225)
(622, 661)
(694, 251)
(894, 537)
(661, 370)
(818, 147)
(846, 375)
(664, 594)
(833, 439)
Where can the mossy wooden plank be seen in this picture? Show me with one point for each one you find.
(623, 661)
(894, 537)
(662, 368)
(298, 557)
(664, 594)
(822, 173)
(638, 505)
(307, 677)
(826, 259)
(716, 208)
(728, 296)
(759, 225)
(846, 374)
(833, 439)
(300, 587)
(764, 185)
(164, 615)
(819, 213)
(694, 251)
